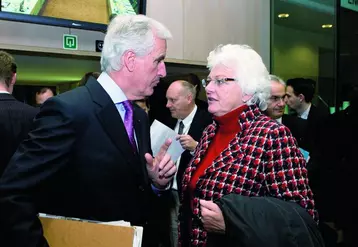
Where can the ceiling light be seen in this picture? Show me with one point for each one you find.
(327, 26)
(283, 15)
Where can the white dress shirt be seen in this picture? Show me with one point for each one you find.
(304, 115)
(187, 122)
(6, 92)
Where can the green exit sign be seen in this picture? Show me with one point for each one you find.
(70, 42)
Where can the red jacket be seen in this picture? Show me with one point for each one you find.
(262, 160)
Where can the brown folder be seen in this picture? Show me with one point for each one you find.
(72, 233)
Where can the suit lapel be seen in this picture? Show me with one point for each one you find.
(112, 123)
(110, 119)
(194, 124)
(140, 132)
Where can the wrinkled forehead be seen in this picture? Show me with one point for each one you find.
(160, 47)
(277, 89)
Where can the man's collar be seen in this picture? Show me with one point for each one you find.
(112, 89)
(305, 113)
(190, 117)
(5, 92)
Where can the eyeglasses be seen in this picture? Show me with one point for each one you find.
(277, 99)
(217, 81)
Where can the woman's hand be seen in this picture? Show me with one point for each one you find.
(212, 217)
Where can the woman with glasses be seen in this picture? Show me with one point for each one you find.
(243, 152)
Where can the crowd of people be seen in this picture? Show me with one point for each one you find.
(247, 177)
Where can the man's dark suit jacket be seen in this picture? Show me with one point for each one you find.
(297, 127)
(15, 122)
(305, 131)
(201, 120)
(78, 163)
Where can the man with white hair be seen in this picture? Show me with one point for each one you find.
(276, 108)
(276, 103)
(89, 154)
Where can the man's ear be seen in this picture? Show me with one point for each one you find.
(128, 60)
(301, 97)
(190, 97)
(13, 79)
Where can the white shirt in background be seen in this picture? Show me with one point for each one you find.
(187, 122)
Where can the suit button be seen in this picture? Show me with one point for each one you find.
(141, 188)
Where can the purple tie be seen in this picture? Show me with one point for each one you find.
(128, 122)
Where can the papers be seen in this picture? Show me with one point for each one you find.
(116, 223)
(63, 231)
(138, 231)
(305, 154)
(159, 133)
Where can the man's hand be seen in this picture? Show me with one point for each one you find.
(187, 142)
(161, 169)
(212, 217)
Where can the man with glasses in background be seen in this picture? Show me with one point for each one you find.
(276, 103)
(276, 108)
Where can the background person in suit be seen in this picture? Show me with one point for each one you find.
(190, 123)
(89, 153)
(276, 108)
(43, 94)
(194, 79)
(300, 92)
(276, 103)
(144, 104)
(86, 76)
(15, 117)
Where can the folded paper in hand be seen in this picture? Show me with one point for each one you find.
(159, 133)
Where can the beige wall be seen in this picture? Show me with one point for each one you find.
(296, 52)
(198, 26)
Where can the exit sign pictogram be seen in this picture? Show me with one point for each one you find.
(70, 42)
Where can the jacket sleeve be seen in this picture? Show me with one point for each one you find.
(285, 170)
(35, 162)
(266, 221)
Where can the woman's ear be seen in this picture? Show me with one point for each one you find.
(246, 97)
